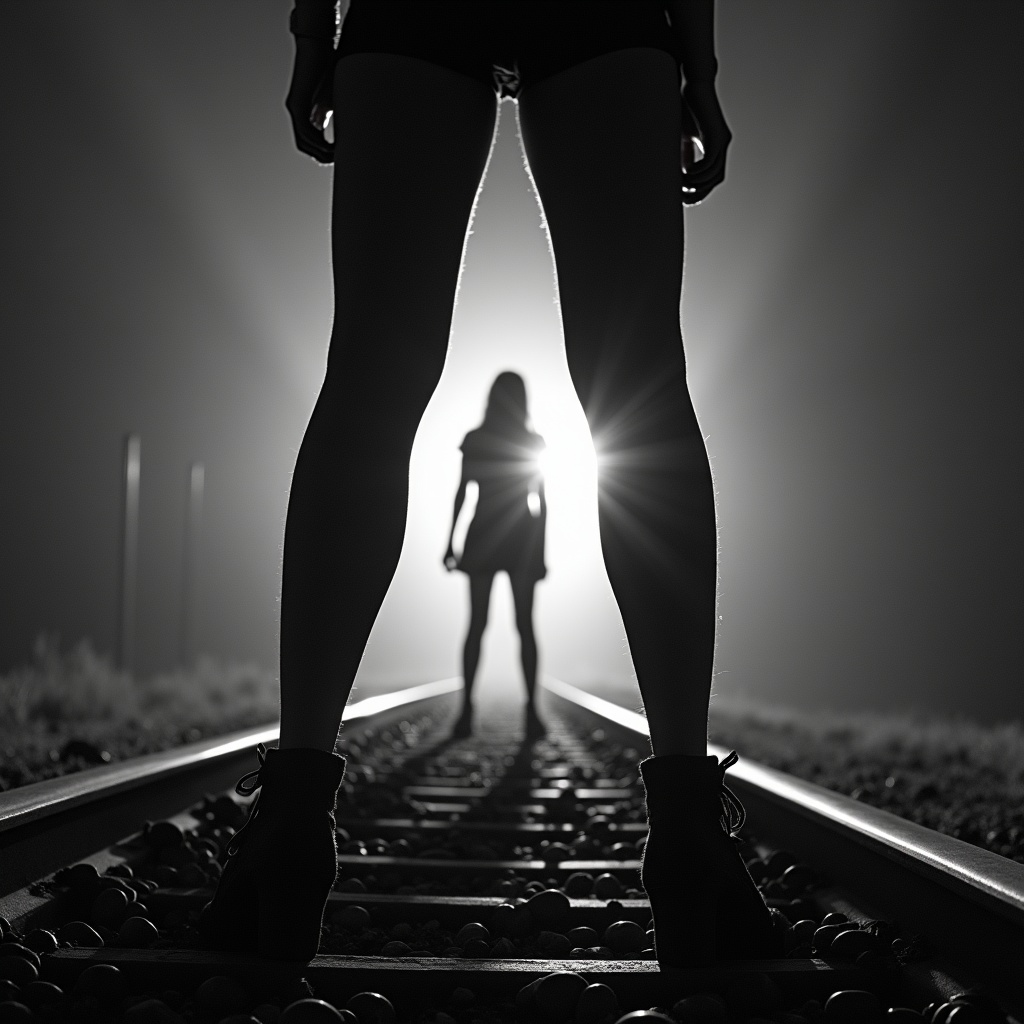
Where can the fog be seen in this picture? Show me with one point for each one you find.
(852, 318)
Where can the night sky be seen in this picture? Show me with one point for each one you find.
(852, 313)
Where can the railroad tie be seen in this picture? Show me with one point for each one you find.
(488, 879)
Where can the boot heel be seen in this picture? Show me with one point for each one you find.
(282, 862)
(290, 918)
(704, 903)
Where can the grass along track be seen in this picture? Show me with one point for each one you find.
(70, 710)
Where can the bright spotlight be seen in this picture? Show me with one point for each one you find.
(568, 464)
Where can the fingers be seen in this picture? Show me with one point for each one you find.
(310, 140)
(704, 172)
(693, 198)
(693, 191)
(309, 97)
(319, 151)
(701, 106)
(691, 150)
(700, 178)
(320, 117)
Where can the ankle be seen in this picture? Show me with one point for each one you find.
(308, 735)
(687, 742)
(322, 746)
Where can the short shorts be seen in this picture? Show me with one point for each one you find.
(509, 45)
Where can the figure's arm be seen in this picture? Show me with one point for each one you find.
(450, 561)
(313, 23)
(693, 22)
(314, 19)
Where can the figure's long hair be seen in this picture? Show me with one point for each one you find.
(506, 411)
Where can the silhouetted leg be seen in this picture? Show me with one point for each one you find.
(602, 140)
(412, 141)
(479, 603)
(522, 596)
(603, 144)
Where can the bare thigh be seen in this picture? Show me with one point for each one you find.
(412, 143)
(602, 141)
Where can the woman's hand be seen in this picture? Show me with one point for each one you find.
(450, 561)
(310, 96)
(704, 113)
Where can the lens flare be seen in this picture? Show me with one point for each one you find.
(569, 462)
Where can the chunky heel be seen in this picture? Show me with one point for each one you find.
(704, 903)
(282, 862)
(290, 918)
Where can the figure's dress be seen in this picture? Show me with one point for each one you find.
(504, 534)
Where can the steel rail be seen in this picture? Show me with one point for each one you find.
(968, 901)
(971, 901)
(982, 875)
(53, 796)
(48, 824)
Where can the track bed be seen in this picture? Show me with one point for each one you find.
(471, 870)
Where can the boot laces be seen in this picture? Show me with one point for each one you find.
(734, 814)
(246, 786)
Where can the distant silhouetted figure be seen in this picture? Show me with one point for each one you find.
(608, 136)
(505, 534)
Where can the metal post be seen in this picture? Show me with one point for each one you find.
(129, 552)
(191, 562)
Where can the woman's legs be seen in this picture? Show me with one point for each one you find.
(602, 141)
(522, 597)
(412, 142)
(479, 602)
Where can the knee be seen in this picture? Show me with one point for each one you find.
(524, 626)
(375, 382)
(372, 418)
(629, 404)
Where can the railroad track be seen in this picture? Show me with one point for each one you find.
(480, 880)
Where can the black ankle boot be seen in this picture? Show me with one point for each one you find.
(704, 903)
(282, 862)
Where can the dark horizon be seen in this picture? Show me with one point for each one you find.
(852, 316)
